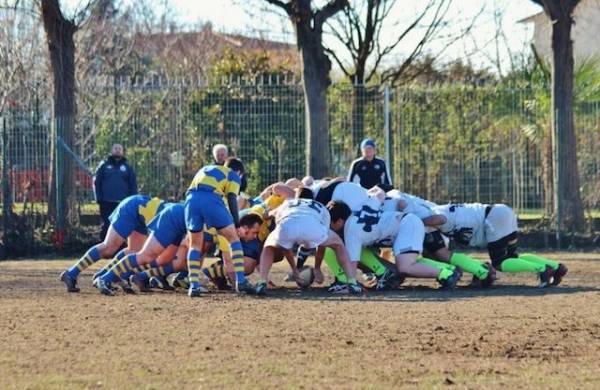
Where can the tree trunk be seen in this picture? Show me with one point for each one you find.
(569, 202)
(548, 175)
(317, 117)
(61, 47)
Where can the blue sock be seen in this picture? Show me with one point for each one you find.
(237, 257)
(90, 257)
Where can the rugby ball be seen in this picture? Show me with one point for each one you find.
(306, 276)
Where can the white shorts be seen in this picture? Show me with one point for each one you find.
(410, 235)
(500, 222)
(303, 230)
(352, 194)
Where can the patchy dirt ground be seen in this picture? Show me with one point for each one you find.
(511, 336)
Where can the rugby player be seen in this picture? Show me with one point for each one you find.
(493, 226)
(128, 222)
(435, 245)
(302, 221)
(403, 231)
(205, 205)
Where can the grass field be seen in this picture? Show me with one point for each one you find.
(511, 336)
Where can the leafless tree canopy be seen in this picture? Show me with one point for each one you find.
(370, 32)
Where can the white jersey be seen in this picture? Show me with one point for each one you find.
(420, 207)
(299, 222)
(303, 209)
(369, 227)
(465, 223)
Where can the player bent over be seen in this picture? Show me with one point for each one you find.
(304, 222)
(403, 231)
(494, 226)
(167, 230)
(250, 225)
(435, 245)
(127, 223)
(204, 205)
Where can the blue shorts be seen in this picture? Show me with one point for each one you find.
(126, 218)
(206, 208)
(168, 227)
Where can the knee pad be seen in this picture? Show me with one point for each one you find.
(504, 248)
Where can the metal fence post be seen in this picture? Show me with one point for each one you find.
(557, 173)
(386, 129)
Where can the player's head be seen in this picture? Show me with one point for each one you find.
(293, 183)
(304, 193)
(367, 147)
(339, 213)
(236, 165)
(308, 181)
(220, 153)
(249, 227)
(117, 151)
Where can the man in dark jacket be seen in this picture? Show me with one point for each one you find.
(370, 170)
(114, 181)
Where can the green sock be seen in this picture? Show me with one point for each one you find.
(521, 265)
(372, 262)
(470, 265)
(336, 269)
(444, 274)
(436, 264)
(539, 260)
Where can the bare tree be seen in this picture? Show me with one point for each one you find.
(370, 34)
(568, 203)
(60, 32)
(308, 22)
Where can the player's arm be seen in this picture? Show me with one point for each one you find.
(435, 220)
(233, 208)
(289, 256)
(319, 255)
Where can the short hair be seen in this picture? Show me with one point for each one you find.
(218, 147)
(338, 210)
(235, 164)
(304, 193)
(250, 220)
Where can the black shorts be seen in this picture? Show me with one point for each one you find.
(502, 249)
(433, 242)
(326, 191)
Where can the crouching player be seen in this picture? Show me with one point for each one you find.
(435, 244)
(495, 226)
(167, 231)
(204, 205)
(305, 222)
(404, 232)
(250, 225)
(127, 223)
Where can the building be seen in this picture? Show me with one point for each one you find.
(585, 32)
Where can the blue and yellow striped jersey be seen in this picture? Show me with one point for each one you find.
(216, 178)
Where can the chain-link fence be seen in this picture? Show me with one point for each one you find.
(450, 143)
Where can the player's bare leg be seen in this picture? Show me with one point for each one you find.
(107, 248)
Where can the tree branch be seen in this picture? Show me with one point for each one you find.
(287, 7)
(333, 7)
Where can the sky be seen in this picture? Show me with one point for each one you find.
(478, 47)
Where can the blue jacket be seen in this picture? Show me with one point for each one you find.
(114, 180)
